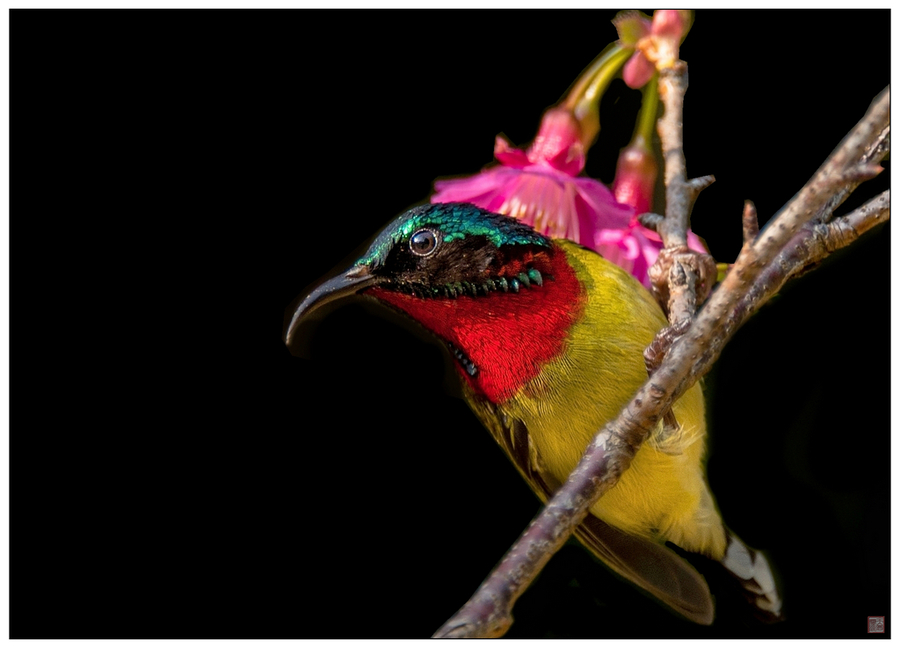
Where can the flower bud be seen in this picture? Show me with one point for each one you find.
(669, 23)
(637, 71)
(636, 176)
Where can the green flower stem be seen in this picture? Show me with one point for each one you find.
(643, 135)
(584, 97)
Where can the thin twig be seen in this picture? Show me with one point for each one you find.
(673, 84)
(847, 229)
(679, 273)
(874, 153)
(750, 223)
(808, 247)
(489, 612)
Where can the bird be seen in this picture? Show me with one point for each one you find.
(547, 338)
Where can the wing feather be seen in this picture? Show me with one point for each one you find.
(653, 567)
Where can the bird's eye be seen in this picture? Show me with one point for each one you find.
(423, 242)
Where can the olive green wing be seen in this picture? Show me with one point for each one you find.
(652, 566)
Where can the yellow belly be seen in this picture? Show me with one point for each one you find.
(663, 495)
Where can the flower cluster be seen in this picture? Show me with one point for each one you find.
(543, 184)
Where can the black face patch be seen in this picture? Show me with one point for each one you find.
(470, 266)
(467, 259)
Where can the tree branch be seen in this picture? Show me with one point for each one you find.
(762, 266)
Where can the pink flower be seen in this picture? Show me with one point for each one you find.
(540, 185)
(655, 41)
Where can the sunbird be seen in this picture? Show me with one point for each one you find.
(548, 340)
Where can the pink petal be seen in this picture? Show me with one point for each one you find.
(558, 142)
(637, 71)
(669, 23)
(569, 160)
(509, 156)
(471, 188)
(609, 213)
(696, 243)
(635, 177)
(535, 199)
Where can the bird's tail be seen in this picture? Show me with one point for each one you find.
(754, 577)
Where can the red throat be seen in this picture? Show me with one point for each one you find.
(508, 336)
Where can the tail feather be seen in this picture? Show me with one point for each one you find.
(753, 574)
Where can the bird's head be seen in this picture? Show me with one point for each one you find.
(441, 251)
(480, 281)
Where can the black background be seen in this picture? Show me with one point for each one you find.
(178, 179)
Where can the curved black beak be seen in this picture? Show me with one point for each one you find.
(345, 284)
